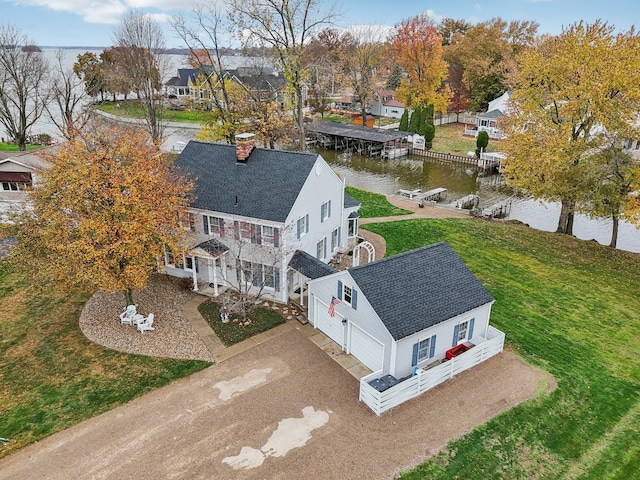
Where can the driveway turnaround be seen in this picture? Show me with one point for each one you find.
(281, 410)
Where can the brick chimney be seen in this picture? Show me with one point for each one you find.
(245, 143)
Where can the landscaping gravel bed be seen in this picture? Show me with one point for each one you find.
(172, 337)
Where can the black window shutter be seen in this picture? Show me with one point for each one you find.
(205, 223)
(339, 290)
(276, 237)
(354, 299)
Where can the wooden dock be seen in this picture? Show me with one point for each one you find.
(445, 156)
(432, 195)
(468, 201)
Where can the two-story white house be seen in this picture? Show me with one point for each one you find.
(254, 211)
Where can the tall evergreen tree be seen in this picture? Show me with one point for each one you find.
(404, 121)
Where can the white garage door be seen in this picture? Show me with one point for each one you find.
(331, 326)
(366, 348)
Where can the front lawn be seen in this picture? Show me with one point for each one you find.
(52, 377)
(374, 204)
(132, 109)
(260, 320)
(570, 307)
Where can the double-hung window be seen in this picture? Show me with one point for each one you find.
(321, 249)
(213, 225)
(303, 226)
(463, 331)
(245, 231)
(325, 210)
(423, 350)
(272, 277)
(335, 239)
(424, 346)
(270, 235)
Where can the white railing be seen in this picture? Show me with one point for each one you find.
(494, 134)
(425, 380)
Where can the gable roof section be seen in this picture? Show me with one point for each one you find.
(420, 288)
(309, 266)
(264, 187)
(491, 114)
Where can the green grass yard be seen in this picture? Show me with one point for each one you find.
(374, 205)
(570, 307)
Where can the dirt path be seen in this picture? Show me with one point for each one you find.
(281, 410)
(427, 211)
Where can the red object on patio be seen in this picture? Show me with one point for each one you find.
(457, 350)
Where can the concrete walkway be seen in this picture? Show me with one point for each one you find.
(220, 353)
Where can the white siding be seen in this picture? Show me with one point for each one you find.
(444, 339)
(319, 188)
(363, 316)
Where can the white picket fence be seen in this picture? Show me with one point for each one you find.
(425, 380)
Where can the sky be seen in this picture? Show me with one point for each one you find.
(84, 23)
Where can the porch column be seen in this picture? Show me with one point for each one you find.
(215, 279)
(194, 274)
(301, 287)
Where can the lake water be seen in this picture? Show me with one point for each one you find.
(412, 172)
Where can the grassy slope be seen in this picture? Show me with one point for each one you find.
(52, 377)
(570, 307)
(374, 204)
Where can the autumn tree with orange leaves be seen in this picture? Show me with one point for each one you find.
(417, 47)
(103, 213)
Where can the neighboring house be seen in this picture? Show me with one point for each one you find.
(385, 104)
(403, 311)
(254, 209)
(193, 85)
(488, 121)
(18, 173)
(188, 85)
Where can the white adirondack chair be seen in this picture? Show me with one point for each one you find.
(126, 317)
(146, 324)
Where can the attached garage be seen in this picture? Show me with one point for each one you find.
(365, 348)
(333, 327)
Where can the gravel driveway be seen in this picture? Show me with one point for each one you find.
(281, 410)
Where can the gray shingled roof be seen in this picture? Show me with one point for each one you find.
(420, 288)
(492, 114)
(349, 201)
(265, 187)
(309, 266)
(213, 247)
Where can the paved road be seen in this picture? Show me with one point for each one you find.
(281, 410)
